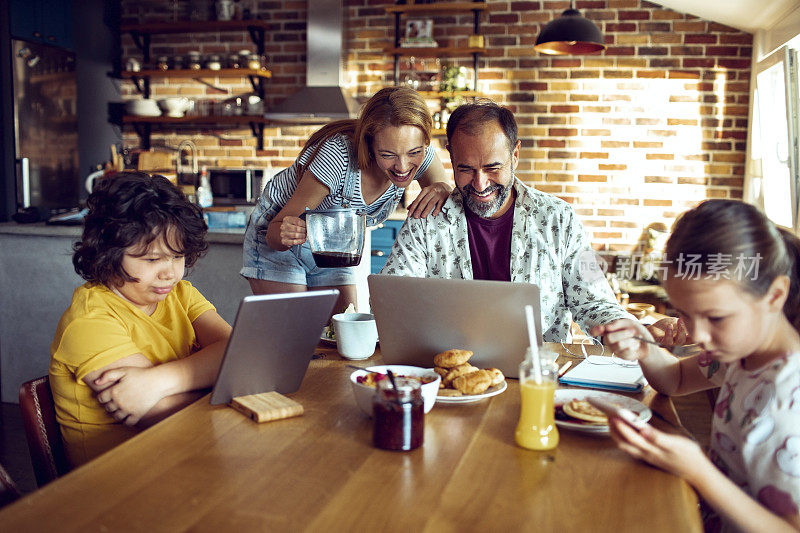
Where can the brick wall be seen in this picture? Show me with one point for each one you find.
(629, 137)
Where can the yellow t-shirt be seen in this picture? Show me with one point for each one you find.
(98, 328)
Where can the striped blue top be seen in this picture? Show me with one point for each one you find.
(336, 160)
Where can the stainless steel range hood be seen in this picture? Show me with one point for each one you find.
(322, 99)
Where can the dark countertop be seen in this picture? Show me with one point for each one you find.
(40, 229)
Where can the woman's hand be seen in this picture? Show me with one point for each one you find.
(675, 454)
(129, 392)
(619, 335)
(670, 331)
(293, 231)
(430, 200)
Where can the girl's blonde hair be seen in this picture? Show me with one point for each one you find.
(736, 235)
(391, 106)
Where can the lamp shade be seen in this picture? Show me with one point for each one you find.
(570, 34)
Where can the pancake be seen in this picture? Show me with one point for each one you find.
(584, 411)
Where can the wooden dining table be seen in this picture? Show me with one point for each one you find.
(209, 468)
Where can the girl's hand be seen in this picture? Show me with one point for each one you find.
(293, 231)
(618, 336)
(431, 199)
(675, 454)
(129, 393)
(670, 331)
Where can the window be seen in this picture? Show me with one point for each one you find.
(773, 174)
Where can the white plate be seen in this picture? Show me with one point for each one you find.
(470, 398)
(326, 340)
(567, 395)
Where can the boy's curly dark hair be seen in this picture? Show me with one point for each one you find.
(133, 208)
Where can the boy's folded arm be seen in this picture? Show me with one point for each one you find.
(134, 360)
(162, 409)
(168, 406)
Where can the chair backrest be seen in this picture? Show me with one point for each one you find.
(42, 430)
(8, 490)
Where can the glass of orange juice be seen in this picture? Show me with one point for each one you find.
(536, 429)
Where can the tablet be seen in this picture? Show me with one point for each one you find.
(274, 337)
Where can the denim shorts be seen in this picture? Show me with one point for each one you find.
(295, 265)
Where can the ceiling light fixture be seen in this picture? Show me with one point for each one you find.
(570, 34)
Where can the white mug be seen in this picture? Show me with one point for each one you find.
(356, 334)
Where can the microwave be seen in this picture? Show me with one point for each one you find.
(235, 186)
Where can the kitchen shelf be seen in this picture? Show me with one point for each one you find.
(195, 73)
(431, 51)
(442, 7)
(143, 125)
(141, 78)
(450, 94)
(141, 32)
(446, 51)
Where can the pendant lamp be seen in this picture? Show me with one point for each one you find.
(570, 34)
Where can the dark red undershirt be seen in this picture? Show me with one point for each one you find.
(490, 245)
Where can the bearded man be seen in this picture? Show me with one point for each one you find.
(494, 227)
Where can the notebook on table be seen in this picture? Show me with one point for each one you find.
(274, 337)
(420, 317)
(608, 376)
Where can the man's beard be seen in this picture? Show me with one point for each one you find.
(484, 209)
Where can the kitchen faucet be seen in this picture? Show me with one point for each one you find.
(179, 170)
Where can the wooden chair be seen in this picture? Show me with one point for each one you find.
(8, 490)
(42, 430)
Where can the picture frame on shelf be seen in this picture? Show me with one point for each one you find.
(419, 33)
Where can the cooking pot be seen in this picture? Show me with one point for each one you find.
(336, 235)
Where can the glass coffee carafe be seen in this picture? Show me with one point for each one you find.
(336, 236)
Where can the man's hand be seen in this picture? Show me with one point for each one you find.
(430, 199)
(619, 335)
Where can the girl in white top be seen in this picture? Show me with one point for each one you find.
(733, 277)
(365, 164)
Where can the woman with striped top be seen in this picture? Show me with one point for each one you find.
(364, 163)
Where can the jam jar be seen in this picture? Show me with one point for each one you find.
(398, 415)
(194, 62)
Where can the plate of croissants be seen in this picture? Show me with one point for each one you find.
(463, 382)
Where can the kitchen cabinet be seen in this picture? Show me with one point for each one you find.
(432, 10)
(383, 237)
(43, 21)
(141, 34)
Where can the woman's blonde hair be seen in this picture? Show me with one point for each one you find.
(391, 106)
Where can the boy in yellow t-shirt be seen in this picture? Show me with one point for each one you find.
(137, 342)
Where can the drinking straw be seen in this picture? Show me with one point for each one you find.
(537, 365)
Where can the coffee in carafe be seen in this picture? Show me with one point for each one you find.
(336, 236)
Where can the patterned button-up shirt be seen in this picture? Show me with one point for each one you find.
(548, 248)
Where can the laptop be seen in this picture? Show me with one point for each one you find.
(420, 317)
(274, 337)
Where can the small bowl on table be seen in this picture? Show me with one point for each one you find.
(640, 310)
(364, 393)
